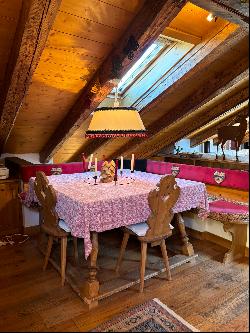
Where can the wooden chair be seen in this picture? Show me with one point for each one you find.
(50, 222)
(157, 228)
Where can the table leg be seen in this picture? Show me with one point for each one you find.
(91, 286)
(187, 247)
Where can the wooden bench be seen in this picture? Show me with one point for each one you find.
(235, 219)
(230, 189)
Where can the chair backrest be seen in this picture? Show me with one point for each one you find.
(47, 198)
(161, 201)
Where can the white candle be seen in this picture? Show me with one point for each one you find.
(95, 166)
(121, 163)
(90, 161)
(132, 162)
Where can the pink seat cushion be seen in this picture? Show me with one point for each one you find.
(226, 207)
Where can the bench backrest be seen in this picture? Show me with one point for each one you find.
(213, 176)
(50, 169)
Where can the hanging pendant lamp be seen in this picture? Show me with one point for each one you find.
(117, 121)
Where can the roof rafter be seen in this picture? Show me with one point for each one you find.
(35, 21)
(217, 85)
(218, 42)
(211, 130)
(145, 28)
(192, 123)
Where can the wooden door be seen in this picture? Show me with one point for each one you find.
(10, 214)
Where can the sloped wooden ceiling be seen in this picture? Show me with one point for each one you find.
(82, 36)
(199, 77)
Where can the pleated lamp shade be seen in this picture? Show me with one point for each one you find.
(111, 122)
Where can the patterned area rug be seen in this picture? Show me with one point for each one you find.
(152, 316)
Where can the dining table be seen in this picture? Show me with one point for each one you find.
(90, 207)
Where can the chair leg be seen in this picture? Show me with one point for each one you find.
(75, 249)
(143, 263)
(48, 251)
(165, 258)
(122, 251)
(63, 258)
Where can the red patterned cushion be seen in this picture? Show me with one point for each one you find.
(227, 207)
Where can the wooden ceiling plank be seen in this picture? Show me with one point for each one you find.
(210, 131)
(146, 27)
(180, 130)
(87, 148)
(35, 21)
(232, 11)
(99, 11)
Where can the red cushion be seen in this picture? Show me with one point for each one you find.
(214, 176)
(233, 178)
(226, 207)
(67, 168)
(191, 172)
(160, 168)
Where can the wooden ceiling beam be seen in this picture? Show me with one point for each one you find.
(35, 21)
(218, 84)
(236, 11)
(181, 129)
(211, 130)
(145, 28)
(199, 59)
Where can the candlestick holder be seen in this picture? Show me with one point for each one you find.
(95, 178)
(121, 173)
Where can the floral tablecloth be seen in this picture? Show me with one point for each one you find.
(86, 207)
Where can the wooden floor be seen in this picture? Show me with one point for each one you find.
(209, 295)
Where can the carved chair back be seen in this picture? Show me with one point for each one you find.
(47, 198)
(161, 201)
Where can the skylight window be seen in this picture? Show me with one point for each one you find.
(147, 57)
